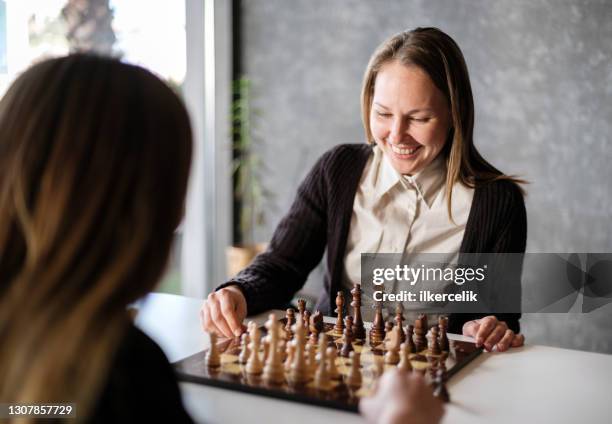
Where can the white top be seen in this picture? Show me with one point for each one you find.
(394, 213)
(532, 384)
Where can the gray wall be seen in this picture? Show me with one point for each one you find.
(541, 73)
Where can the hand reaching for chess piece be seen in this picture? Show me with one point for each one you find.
(402, 398)
(223, 312)
(492, 334)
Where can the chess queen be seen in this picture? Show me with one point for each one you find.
(417, 185)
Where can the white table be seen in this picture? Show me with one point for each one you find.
(533, 384)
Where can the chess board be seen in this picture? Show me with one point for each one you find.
(339, 395)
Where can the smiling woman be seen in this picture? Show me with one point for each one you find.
(418, 186)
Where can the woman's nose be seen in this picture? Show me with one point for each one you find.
(397, 130)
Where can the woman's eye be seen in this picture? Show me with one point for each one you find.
(420, 119)
(383, 115)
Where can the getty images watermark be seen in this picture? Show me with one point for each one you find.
(486, 282)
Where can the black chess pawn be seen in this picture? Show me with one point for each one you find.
(347, 340)
(290, 320)
(377, 332)
(306, 318)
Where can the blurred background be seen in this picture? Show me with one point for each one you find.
(272, 84)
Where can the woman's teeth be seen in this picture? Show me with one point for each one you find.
(401, 151)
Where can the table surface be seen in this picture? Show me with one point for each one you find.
(528, 384)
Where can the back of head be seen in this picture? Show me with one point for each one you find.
(94, 162)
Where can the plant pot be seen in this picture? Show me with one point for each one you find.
(239, 257)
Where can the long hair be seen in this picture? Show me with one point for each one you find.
(440, 58)
(94, 162)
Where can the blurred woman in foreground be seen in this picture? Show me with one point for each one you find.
(94, 162)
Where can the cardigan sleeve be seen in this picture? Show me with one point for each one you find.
(297, 246)
(505, 217)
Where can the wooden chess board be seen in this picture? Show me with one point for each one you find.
(339, 395)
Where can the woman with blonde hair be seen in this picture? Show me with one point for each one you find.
(94, 162)
(418, 185)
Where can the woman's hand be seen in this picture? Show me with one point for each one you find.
(491, 333)
(402, 398)
(223, 312)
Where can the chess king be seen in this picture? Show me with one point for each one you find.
(417, 185)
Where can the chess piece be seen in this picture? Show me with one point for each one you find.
(244, 349)
(443, 338)
(301, 308)
(419, 333)
(432, 366)
(254, 365)
(423, 319)
(440, 390)
(404, 363)
(265, 342)
(410, 338)
(443, 322)
(348, 326)
(393, 346)
(358, 329)
(317, 319)
(311, 352)
(354, 376)
(299, 368)
(378, 367)
(282, 347)
(290, 348)
(339, 327)
(332, 369)
(347, 339)
(322, 378)
(290, 320)
(433, 344)
(442, 362)
(273, 372)
(377, 332)
(399, 322)
(307, 321)
(213, 358)
(388, 328)
(315, 327)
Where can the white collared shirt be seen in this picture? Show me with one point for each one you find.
(394, 213)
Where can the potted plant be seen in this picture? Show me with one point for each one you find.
(249, 193)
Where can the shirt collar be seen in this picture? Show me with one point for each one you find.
(426, 182)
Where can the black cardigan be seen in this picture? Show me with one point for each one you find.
(320, 217)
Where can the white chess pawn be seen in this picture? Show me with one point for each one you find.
(254, 365)
(321, 379)
(332, 369)
(404, 363)
(354, 377)
(273, 370)
(213, 359)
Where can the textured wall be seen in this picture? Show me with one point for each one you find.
(542, 78)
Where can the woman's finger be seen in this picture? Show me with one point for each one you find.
(495, 336)
(504, 343)
(217, 317)
(518, 341)
(487, 325)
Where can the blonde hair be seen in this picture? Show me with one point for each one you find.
(440, 58)
(94, 161)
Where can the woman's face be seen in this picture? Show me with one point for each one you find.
(409, 118)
